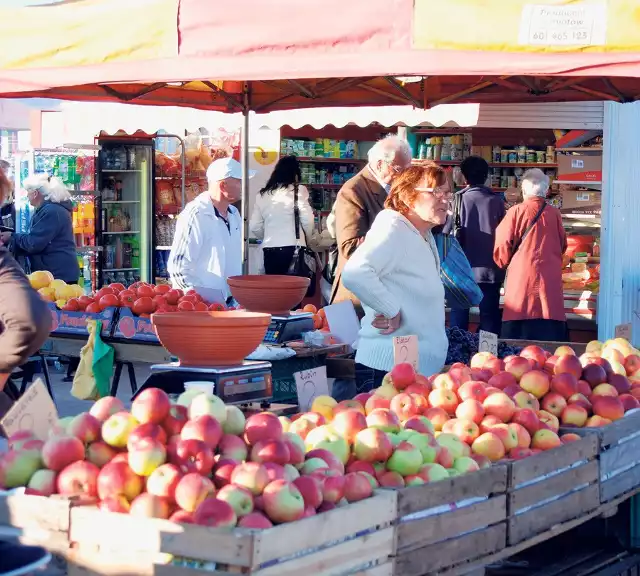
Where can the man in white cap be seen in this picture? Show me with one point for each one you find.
(207, 246)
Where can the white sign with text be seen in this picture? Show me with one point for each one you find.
(309, 385)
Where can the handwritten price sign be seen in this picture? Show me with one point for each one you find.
(405, 349)
(623, 331)
(34, 412)
(488, 342)
(309, 385)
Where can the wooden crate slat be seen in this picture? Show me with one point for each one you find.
(337, 560)
(615, 432)
(325, 528)
(457, 550)
(620, 484)
(620, 456)
(385, 569)
(121, 532)
(528, 524)
(482, 483)
(426, 531)
(21, 511)
(559, 484)
(548, 462)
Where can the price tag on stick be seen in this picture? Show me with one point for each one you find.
(309, 385)
(405, 349)
(488, 342)
(623, 331)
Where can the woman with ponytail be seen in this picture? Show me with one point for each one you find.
(49, 244)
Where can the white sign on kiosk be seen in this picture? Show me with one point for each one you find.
(623, 331)
(343, 321)
(34, 412)
(488, 342)
(310, 384)
(405, 349)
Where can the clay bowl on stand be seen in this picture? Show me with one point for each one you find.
(273, 294)
(211, 338)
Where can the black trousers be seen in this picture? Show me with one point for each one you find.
(278, 260)
(536, 329)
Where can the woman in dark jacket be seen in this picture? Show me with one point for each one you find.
(49, 244)
(24, 326)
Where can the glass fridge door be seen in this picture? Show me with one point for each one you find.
(125, 177)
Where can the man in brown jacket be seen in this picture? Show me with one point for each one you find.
(361, 199)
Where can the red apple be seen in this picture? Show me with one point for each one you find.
(548, 420)
(437, 416)
(489, 422)
(175, 420)
(148, 430)
(263, 426)
(205, 428)
(193, 489)
(275, 451)
(472, 390)
(597, 422)
(546, 439)
(357, 487)
(594, 374)
(528, 419)
(581, 400)
(629, 402)
(620, 383)
(550, 365)
(215, 514)
(100, 453)
(481, 375)
(60, 451)
(362, 398)
(584, 388)
(445, 382)
(252, 476)
(508, 436)
(182, 517)
(604, 390)
(222, 472)
(375, 402)
(118, 504)
(240, 499)
(383, 419)
(445, 399)
(311, 489)
(390, 479)
(404, 406)
(79, 479)
(489, 445)
(85, 427)
(564, 384)
(499, 405)
(233, 447)
(105, 407)
(117, 479)
(494, 365)
(524, 438)
(554, 403)
(151, 405)
(536, 355)
(517, 367)
(536, 382)
(255, 521)
(193, 456)
(163, 481)
(526, 400)
(283, 502)
(372, 445)
(609, 407)
(568, 365)
(470, 409)
(466, 430)
(569, 437)
(574, 415)
(420, 424)
(402, 375)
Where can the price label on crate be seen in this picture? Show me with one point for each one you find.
(623, 331)
(405, 349)
(34, 412)
(488, 342)
(309, 385)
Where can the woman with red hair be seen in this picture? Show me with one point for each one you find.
(395, 273)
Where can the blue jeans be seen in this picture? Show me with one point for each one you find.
(490, 313)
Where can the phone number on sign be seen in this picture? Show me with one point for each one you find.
(560, 37)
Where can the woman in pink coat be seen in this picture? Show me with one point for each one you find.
(530, 242)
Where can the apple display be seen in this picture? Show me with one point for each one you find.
(151, 405)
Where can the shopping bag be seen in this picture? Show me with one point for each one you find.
(93, 375)
(460, 289)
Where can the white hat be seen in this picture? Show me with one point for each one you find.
(224, 168)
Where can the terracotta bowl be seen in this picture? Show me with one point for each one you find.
(272, 294)
(210, 338)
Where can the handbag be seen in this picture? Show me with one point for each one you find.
(303, 261)
(516, 245)
(460, 288)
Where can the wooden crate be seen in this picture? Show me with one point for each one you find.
(447, 524)
(37, 519)
(551, 488)
(358, 538)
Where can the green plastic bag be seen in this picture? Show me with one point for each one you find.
(93, 375)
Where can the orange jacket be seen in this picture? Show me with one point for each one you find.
(534, 275)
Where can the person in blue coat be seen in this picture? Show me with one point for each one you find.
(477, 211)
(49, 244)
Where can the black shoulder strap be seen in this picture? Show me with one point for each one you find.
(296, 211)
(528, 229)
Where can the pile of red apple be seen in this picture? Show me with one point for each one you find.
(195, 461)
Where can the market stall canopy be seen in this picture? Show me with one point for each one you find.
(284, 54)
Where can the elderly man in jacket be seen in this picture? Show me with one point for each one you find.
(361, 199)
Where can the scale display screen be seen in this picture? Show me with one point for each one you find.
(283, 330)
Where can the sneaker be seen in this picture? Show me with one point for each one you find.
(16, 560)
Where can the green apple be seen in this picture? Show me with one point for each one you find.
(17, 468)
(234, 422)
(208, 404)
(186, 397)
(426, 446)
(405, 460)
(452, 442)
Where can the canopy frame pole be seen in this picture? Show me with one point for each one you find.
(244, 149)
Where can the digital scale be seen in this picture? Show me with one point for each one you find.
(287, 328)
(241, 384)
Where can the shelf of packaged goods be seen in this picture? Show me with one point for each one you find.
(119, 269)
(498, 164)
(580, 183)
(121, 201)
(320, 159)
(114, 233)
(200, 174)
(326, 185)
(113, 171)
(84, 249)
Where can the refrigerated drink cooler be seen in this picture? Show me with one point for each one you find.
(125, 209)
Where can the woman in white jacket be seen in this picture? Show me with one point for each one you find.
(395, 273)
(272, 220)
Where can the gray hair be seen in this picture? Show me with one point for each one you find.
(50, 187)
(535, 183)
(388, 148)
